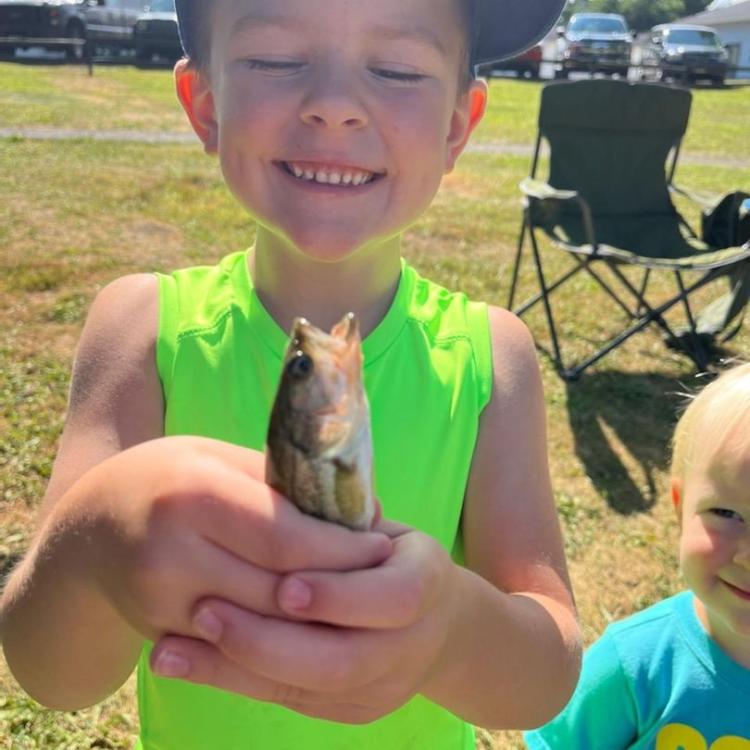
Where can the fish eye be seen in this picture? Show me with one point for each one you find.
(300, 366)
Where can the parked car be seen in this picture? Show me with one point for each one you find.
(595, 42)
(156, 32)
(527, 63)
(105, 23)
(684, 52)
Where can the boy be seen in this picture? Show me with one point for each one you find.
(677, 675)
(333, 121)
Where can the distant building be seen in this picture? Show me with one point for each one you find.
(731, 19)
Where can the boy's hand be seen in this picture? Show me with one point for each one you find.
(170, 522)
(392, 625)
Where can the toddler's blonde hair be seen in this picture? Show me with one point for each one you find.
(717, 420)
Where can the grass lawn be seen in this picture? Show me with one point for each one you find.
(78, 214)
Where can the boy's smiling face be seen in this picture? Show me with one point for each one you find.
(714, 510)
(334, 120)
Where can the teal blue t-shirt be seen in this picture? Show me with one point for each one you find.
(654, 681)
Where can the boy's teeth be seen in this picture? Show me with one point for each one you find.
(333, 177)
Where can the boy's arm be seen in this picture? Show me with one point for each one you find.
(498, 645)
(135, 530)
(52, 622)
(519, 655)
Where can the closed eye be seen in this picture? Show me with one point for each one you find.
(397, 75)
(726, 513)
(278, 67)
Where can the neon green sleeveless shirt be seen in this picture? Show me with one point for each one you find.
(427, 371)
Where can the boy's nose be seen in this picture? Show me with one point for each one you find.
(332, 102)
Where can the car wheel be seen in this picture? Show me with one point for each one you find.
(76, 32)
(718, 82)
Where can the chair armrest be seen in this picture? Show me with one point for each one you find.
(542, 191)
(702, 199)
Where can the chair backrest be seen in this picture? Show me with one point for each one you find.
(610, 140)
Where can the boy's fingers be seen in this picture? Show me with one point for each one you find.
(256, 523)
(249, 586)
(393, 595)
(309, 656)
(202, 663)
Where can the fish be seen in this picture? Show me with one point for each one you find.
(319, 445)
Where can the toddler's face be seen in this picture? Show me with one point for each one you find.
(715, 543)
(336, 119)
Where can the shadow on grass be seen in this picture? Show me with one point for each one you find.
(620, 422)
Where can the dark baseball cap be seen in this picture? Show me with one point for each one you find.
(502, 28)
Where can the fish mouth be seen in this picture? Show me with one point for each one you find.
(338, 175)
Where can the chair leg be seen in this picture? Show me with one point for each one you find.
(645, 308)
(545, 297)
(644, 286)
(587, 266)
(697, 354)
(517, 264)
(653, 315)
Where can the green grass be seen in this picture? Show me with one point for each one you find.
(718, 121)
(80, 213)
(67, 97)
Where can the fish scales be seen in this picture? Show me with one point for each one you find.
(319, 446)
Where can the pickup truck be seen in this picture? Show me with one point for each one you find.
(104, 23)
(595, 42)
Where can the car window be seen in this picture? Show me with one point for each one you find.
(600, 25)
(162, 6)
(693, 36)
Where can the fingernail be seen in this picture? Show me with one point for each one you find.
(295, 594)
(171, 664)
(208, 625)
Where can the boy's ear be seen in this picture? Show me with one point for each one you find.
(196, 97)
(467, 115)
(675, 488)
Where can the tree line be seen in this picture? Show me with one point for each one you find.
(640, 14)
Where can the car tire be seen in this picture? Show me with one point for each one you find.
(75, 30)
(718, 82)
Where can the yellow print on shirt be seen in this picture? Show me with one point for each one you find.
(683, 737)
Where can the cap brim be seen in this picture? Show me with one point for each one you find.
(505, 28)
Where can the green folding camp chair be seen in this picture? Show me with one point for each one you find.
(614, 148)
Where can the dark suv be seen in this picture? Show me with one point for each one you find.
(595, 42)
(683, 52)
(105, 23)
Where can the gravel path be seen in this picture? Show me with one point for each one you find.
(138, 136)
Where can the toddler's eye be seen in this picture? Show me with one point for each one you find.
(726, 513)
(276, 67)
(399, 76)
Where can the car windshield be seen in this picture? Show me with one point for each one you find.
(599, 25)
(692, 36)
(162, 6)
